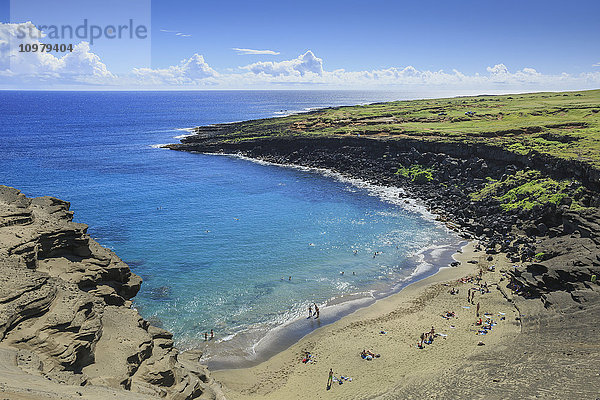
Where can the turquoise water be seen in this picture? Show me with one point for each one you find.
(215, 238)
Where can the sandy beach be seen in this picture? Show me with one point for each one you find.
(391, 328)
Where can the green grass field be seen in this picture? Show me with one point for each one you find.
(564, 125)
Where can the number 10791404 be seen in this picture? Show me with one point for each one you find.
(45, 47)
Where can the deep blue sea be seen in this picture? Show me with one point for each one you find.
(215, 238)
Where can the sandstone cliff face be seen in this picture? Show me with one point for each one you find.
(65, 309)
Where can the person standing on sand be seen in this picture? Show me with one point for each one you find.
(316, 311)
(478, 309)
(330, 379)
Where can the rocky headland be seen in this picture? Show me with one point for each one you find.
(519, 176)
(529, 194)
(67, 326)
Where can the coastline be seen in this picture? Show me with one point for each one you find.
(467, 178)
(546, 352)
(280, 338)
(67, 326)
(282, 348)
(361, 329)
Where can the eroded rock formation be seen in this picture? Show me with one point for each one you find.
(65, 310)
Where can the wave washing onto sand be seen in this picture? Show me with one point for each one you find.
(256, 343)
(428, 258)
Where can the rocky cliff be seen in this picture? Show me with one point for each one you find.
(556, 246)
(66, 318)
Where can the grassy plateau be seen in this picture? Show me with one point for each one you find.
(562, 125)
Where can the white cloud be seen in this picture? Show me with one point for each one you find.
(596, 65)
(193, 70)
(498, 69)
(80, 65)
(255, 52)
(305, 64)
(177, 33)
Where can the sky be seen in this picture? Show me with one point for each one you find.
(184, 44)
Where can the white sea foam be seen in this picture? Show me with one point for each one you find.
(227, 338)
(389, 194)
(425, 258)
(189, 132)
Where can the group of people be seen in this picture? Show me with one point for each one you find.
(368, 355)
(426, 338)
(310, 311)
(485, 326)
(482, 288)
(308, 358)
(448, 315)
(332, 378)
(212, 335)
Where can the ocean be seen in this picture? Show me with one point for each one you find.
(221, 242)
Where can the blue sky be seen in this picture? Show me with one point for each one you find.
(476, 44)
(362, 35)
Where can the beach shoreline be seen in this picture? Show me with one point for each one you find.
(278, 339)
(363, 328)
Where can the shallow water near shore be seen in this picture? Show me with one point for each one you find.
(221, 242)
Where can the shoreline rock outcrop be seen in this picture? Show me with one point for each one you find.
(567, 240)
(555, 249)
(66, 315)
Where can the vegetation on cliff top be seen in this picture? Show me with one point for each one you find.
(527, 189)
(416, 173)
(562, 125)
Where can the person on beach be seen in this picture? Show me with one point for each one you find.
(330, 380)
(205, 336)
(478, 309)
(310, 310)
(316, 311)
(422, 339)
(212, 335)
(368, 355)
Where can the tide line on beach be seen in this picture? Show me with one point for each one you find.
(389, 327)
